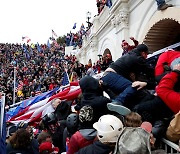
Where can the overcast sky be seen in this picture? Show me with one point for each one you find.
(36, 18)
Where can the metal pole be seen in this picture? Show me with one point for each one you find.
(14, 94)
(2, 97)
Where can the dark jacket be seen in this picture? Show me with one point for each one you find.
(92, 95)
(132, 62)
(95, 148)
(33, 148)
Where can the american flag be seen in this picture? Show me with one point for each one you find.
(26, 38)
(37, 92)
(33, 112)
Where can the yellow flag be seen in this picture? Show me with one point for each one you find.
(32, 45)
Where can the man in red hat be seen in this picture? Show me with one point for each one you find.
(48, 147)
(126, 47)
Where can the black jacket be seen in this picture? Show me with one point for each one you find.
(132, 62)
(92, 95)
(95, 148)
(33, 148)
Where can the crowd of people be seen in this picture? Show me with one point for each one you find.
(100, 124)
(39, 71)
(141, 105)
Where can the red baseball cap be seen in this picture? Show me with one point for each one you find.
(48, 146)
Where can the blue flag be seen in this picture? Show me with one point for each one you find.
(109, 3)
(26, 51)
(65, 80)
(82, 26)
(48, 44)
(74, 27)
(38, 47)
(2, 126)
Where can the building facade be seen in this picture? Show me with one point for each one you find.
(131, 18)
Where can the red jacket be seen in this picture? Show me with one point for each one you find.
(167, 94)
(167, 57)
(78, 141)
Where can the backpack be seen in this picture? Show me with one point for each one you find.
(133, 141)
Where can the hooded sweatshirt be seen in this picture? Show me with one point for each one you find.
(80, 139)
(93, 96)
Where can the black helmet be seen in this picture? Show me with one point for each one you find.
(49, 118)
(72, 122)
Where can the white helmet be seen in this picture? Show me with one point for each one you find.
(108, 128)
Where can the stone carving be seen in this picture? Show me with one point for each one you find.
(113, 21)
(93, 44)
(121, 19)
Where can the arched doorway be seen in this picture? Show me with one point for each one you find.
(162, 29)
(162, 34)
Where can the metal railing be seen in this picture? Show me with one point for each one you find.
(170, 147)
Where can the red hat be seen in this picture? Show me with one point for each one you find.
(48, 146)
(147, 126)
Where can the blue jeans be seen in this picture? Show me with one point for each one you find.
(160, 2)
(119, 85)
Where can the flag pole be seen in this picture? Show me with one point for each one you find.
(14, 94)
(52, 34)
(2, 97)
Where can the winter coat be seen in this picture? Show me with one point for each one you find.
(80, 139)
(165, 59)
(33, 148)
(92, 95)
(96, 148)
(132, 62)
(165, 90)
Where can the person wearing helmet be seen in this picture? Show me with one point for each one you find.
(86, 134)
(48, 120)
(72, 124)
(108, 127)
(55, 128)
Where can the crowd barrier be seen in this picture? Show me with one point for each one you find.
(170, 147)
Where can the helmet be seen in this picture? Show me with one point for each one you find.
(72, 121)
(86, 114)
(108, 128)
(49, 118)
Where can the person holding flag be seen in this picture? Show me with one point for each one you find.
(54, 34)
